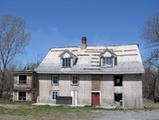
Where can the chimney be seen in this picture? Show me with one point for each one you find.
(84, 43)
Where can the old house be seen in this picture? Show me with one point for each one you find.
(92, 75)
(25, 86)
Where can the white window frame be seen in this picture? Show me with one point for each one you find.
(67, 62)
(107, 61)
(54, 95)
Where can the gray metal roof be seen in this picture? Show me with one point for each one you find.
(128, 56)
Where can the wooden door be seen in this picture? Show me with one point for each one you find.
(95, 98)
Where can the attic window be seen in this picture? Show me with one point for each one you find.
(108, 61)
(66, 62)
(108, 58)
(68, 59)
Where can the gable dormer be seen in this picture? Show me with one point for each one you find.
(68, 59)
(108, 58)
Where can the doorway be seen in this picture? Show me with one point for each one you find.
(95, 98)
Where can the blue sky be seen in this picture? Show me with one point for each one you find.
(58, 23)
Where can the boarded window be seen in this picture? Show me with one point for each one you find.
(66, 62)
(22, 79)
(22, 96)
(118, 80)
(64, 100)
(55, 79)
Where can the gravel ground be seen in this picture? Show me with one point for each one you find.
(111, 115)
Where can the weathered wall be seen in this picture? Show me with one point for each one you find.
(107, 90)
(84, 90)
(44, 88)
(65, 87)
(132, 91)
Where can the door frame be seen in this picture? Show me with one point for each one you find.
(74, 95)
(99, 96)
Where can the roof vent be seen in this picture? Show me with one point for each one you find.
(84, 43)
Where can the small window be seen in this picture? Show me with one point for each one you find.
(108, 61)
(66, 62)
(22, 79)
(54, 95)
(118, 98)
(55, 79)
(75, 79)
(22, 95)
(118, 80)
(115, 61)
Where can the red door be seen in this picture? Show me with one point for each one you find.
(95, 98)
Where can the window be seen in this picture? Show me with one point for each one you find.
(66, 62)
(75, 79)
(54, 95)
(118, 97)
(118, 80)
(115, 61)
(107, 61)
(22, 79)
(22, 95)
(55, 79)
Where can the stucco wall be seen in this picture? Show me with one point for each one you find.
(107, 90)
(44, 88)
(132, 91)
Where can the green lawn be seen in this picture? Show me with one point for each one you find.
(25, 108)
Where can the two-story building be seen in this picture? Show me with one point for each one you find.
(92, 75)
(25, 86)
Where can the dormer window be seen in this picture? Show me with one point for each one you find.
(108, 58)
(68, 59)
(108, 61)
(66, 62)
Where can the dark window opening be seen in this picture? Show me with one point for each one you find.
(22, 95)
(22, 79)
(75, 79)
(118, 80)
(115, 61)
(118, 98)
(55, 79)
(66, 62)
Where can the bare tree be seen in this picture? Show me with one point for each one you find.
(151, 31)
(13, 39)
(151, 37)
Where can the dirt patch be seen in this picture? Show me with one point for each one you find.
(150, 104)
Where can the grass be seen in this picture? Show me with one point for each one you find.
(6, 101)
(25, 108)
(43, 109)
